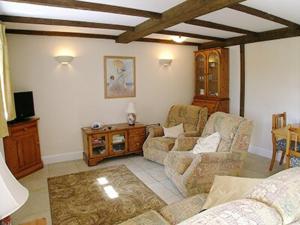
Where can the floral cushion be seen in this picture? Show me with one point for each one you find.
(295, 161)
(240, 212)
(281, 192)
(281, 145)
(162, 143)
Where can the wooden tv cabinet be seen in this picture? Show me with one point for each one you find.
(22, 148)
(111, 141)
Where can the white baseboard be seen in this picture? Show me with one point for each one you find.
(263, 152)
(49, 159)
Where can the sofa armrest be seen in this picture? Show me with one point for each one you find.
(155, 131)
(199, 176)
(184, 143)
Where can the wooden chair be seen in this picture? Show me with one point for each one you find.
(278, 121)
(293, 148)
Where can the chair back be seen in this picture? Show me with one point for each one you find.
(278, 120)
(293, 147)
(235, 132)
(193, 117)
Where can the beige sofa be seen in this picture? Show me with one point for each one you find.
(194, 173)
(156, 147)
(274, 201)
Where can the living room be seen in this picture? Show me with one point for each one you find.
(61, 52)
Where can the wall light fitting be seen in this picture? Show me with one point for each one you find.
(64, 59)
(165, 62)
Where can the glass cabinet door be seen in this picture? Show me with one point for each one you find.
(99, 145)
(200, 74)
(118, 142)
(213, 74)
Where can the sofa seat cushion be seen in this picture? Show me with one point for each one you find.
(162, 143)
(179, 161)
(148, 218)
(180, 211)
(282, 192)
(240, 212)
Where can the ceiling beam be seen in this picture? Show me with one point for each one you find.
(90, 35)
(246, 39)
(55, 22)
(204, 23)
(98, 7)
(183, 12)
(262, 14)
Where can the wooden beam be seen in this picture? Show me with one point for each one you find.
(264, 15)
(183, 12)
(56, 22)
(33, 20)
(191, 35)
(98, 7)
(204, 23)
(242, 80)
(89, 35)
(245, 39)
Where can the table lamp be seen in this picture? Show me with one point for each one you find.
(12, 194)
(131, 116)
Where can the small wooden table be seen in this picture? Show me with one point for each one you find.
(41, 221)
(111, 141)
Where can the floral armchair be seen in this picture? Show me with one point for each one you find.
(194, 173)
(156, 147)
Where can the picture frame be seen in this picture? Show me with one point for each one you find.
(119, 77)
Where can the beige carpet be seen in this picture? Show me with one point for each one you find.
(104, 196)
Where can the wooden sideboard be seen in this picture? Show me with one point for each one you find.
(112, 140)
(212, 79)
(22, 148)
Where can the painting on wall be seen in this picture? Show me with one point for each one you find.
(119, 76)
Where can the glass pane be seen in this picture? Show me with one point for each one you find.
(200, 75)
(213, 74)
(118, 142)
(99, 145)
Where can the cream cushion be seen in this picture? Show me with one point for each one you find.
(173, 132)
(228, 188)
(281, 192)
(207, 144)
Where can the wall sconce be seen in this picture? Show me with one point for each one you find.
(64, 59)
(165, 62)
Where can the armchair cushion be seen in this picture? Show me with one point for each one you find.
(180, 211)
(173, 132)
(282, 192)
(179, 161)
(227, 125)
(162, 143)
(207, 144)
(186, 143)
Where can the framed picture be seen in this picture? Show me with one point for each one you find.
(119, 76)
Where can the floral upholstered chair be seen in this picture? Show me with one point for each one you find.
(194, 118)
(194, 173)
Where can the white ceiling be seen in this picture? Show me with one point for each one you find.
(287, 9)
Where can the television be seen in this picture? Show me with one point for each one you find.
(24, 105)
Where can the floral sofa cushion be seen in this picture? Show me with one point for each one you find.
(240, 212)
(282, 192)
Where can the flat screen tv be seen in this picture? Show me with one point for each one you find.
(24, 105)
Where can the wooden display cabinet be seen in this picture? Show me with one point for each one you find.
(22, 148)
(212, 79)
(120, 139)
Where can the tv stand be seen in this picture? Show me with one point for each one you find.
(22, 147)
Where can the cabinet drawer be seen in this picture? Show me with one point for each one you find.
(22, 130)
(137, 132)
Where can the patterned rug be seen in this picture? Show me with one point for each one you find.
(104, 196)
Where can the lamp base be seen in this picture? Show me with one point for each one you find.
(131, 118)
(6, 221)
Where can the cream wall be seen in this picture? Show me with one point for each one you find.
(272, 86)
(70, 97)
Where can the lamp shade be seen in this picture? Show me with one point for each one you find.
(130, 108)
(12, 194)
